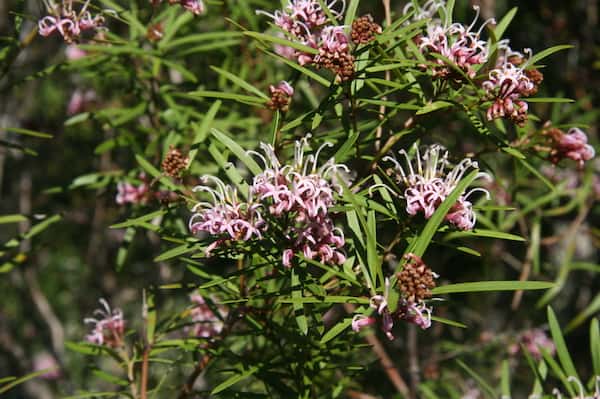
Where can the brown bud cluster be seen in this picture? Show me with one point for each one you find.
(281, 97)
(174, 163)
(364, 30)
(155, 32)
(340, 63)
(416, 279)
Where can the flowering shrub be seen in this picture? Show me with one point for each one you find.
(293, 199)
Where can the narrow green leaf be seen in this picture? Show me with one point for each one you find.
(351, 12)
(505, 380)
(25, 378)
(561, 348)
(15, 218)
(595, 345)
(484, 233)
(488, 390)
(202, 130)
(244, 99)
(240, 82)
(545, 53)
(448, 322)
(298, 306)
(28, 132)
(336, 330)
(234, 380)
(152, 171)
(504, 22)
(434, 106)
(592, 308)
(481, 286)
(239, 152)
(279, 40)
(139, 220)
(177, 251)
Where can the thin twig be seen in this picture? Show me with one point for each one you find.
(144, 381)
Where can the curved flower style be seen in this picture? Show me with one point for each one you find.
(415, 312)
(299, 196)
(428, 184)
(206, 323)
(226, 215)
(108, 328)
(459, 44)
(506, 85)
(303, 21)
(581, 394)
(64, 20)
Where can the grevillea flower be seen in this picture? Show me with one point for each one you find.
(426, 11)
(573, 145)
(298, 197)
(334, 52)
(459, 44)
(127, 193)
(207, 324)
(281, 96)
(73, 52)
(415, 312)
(427, 184)
(45, 361)
(66, 21)
(225, 216)
(303, 21)
(506, 85)
(534, 341)
(108, 327)
(80, 101)
(196, 7)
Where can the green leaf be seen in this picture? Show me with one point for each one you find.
(305, 71)
(595, 345)
(514, 152)
(561, 348)
(149, 316)
(14, 218)
(545, 53)
(139, 220)
(25, 378)
(202, 130)
(241, 98)
(484, 233)
(177, 251)
(298, 306)
(28, 132)
(434, 106)
(504, 22)
(234, 380)
(592, 308)
(279, 40)
(336, 330)
(239, 152)
(505, 380)
(448, 322)
(240, 82)
(488, 390)
(351, 12)
(481, 286)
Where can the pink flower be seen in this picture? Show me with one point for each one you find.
(226, 215)
(301, 195)
(360, 321)
(130, 194)
(80, 101)
(73, 52)
(109, 328)
(459, 44)
(534, 340)
(207, 324)
(428, 183)
(573, 145)
(67, 22)
(196, 7)
(45, 361)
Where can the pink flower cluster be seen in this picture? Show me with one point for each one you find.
(80, 101)
(428, 184)
(294, 200)
(573, 145)
(506, 85)
(533, 340)
(226, 216)
(196, 7)
(206, 323)
(108, 328)
(66, 21)
(127, 193)
(303, 21)
(457, 43)
(298, 197)
(409, 311)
